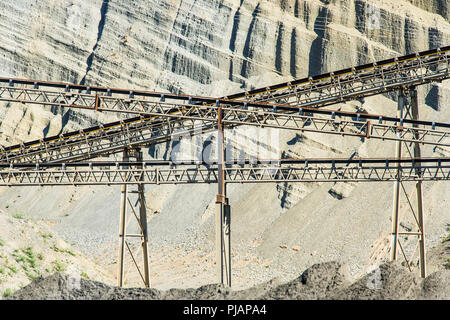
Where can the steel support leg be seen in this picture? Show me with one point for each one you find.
(420, 222)
(223, 230)
(141, 217)
(122, 229)
(144, 232)
(396, 198)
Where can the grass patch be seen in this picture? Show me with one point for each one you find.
(447, 266)
(1, 243)
(12, 268)
(32, 276)
(18, 216)
(56, 249)
(30, 257)
(19, 258)
(7, 293)
(70, 252)
(27, 260)
(46, 236)
(27, 257)
(84, 275)
(58, 266)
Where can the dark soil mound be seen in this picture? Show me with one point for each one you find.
(321, 281)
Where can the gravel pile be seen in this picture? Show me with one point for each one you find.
(328, 280)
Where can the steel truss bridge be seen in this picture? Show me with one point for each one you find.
(282, 170)
(155, 117)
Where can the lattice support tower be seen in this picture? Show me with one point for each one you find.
(408, 108)
(133, 208)
(223, 222)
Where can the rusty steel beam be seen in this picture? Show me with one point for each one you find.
(328, 170)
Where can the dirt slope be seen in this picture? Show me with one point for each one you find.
(29, 249)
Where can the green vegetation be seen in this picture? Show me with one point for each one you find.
(32, 276)
(447, 238)
(18, 216)
(7, 293)
(84, 275)
(12, 268)
(27, 260)
(46, 236)
(56, 249)
(1, 243)
(58, 266)
(31, 259)
(26, 257)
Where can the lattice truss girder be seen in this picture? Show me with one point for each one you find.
(197, 119)
(322, 91)
(365, 83)
(106, 174)
(169, 109)
(89, 144)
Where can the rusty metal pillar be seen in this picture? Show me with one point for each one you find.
(396, 197)
(223, 231)
(139, 211)
(143, 224)
(122, 229)
(417, 154)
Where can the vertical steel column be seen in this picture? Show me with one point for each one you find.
(396, 198)
(223, 239)
(143, 224)
(417, 154)
(141, 220)
(122, 229)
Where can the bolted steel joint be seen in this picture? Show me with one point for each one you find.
(221, 199)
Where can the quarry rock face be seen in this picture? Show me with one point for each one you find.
(186, 45)
(204, 47)
(216, 48)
